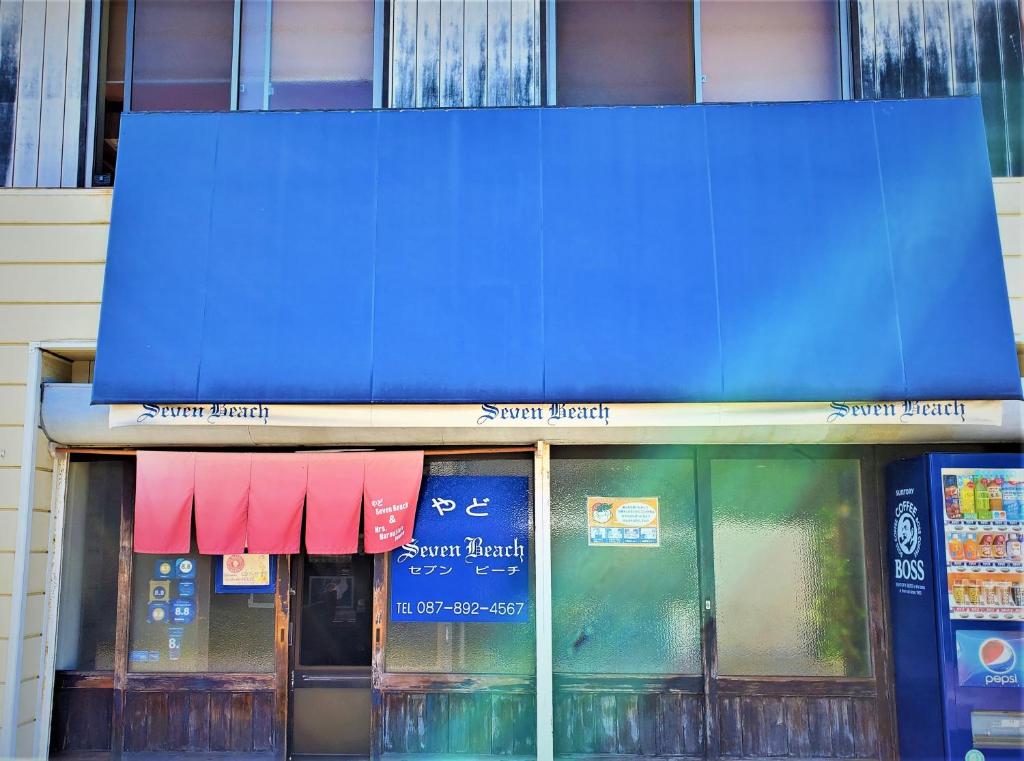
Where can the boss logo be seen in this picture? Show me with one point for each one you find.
(906, 533)
(910, 570)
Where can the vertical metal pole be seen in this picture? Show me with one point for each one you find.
(542, 556)
(551, 54)
(129, 56)
(236, 48)
(845, 50)
(378, 53)
(698, 66)
(269, 20)
(96, 55)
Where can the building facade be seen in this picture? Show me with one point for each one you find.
(771, 517)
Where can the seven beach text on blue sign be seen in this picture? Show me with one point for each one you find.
(469, 557)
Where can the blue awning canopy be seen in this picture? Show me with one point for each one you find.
(784, 252)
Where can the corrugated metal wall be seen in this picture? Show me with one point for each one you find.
(933, 48)
(43, 92)
(450, 53)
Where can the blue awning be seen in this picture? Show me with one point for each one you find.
(785, 252)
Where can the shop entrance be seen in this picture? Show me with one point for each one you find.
(743, 624)
(331, 653)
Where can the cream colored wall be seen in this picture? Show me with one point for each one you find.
(52, 248)
(1010, 208)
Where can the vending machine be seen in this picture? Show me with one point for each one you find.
(955, 525)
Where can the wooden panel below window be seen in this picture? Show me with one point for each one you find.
(81, 719)
(755, 726)
(196, 721)
(629, 723)
(486, 722)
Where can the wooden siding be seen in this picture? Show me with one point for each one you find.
(1010, 210)
(453, 53)
(798, 727)
(644, 723)
(924, 48)
(81, 720)
(52, 249)
(483, 723)
(43, 73)
(199, 721)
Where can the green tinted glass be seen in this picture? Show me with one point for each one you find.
(624, 609)
(789, 568)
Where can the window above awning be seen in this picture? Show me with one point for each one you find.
(733, 253)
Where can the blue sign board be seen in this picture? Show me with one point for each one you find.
(469, 557)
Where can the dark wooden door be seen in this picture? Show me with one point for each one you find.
(331, 653)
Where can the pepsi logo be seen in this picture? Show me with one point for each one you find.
(997, 655)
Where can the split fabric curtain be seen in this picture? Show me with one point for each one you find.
(254, 502)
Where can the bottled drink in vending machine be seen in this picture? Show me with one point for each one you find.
(985, 547)
(951, 496)
(995, 495)
(1014, 549)
(967, 503)
(1012, 499)
(956, 547)
(981, 506)
(999, 546)
(970, 547)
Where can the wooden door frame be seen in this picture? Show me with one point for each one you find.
(381, 681)
(124, 607)
(358, 677)
(879, 684)
(124, 683)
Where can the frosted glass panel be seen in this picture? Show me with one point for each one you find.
(321, 54)
(474, 648)
(88, 591)
(182, 55)
(218, 633)
(624, 610)
(620, 52)
(789, 568)
(770, 51)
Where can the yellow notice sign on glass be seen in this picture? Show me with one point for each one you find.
(246, 570)
(623, 522)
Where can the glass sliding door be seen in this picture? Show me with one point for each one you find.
(182, 55)
(714, 602)
(783, 538)
(456, 676)
(802, 520)
(626, 602)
